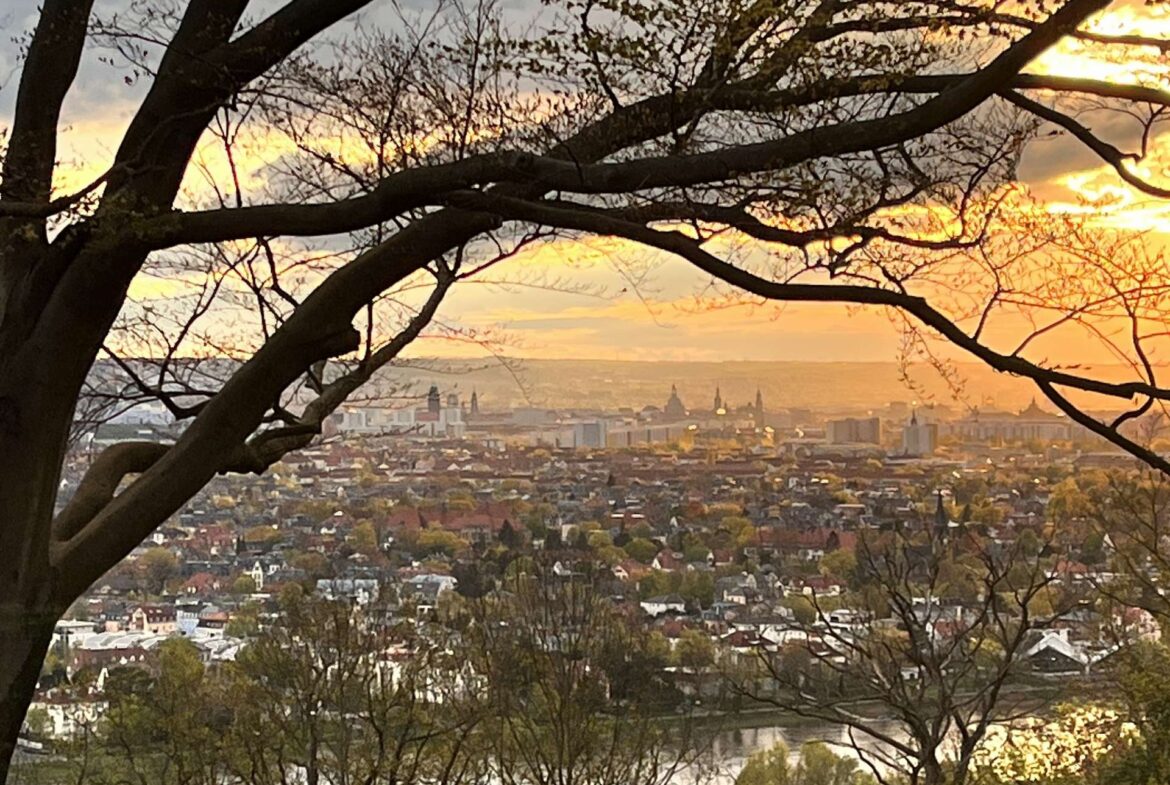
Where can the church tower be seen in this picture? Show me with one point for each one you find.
(941, 519)
(718, 399)
(759, 403)
(474, 404)
(434, 403)
(674, 405)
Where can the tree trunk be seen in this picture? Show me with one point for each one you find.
(24, 639)
(932, 771)
(36, 410)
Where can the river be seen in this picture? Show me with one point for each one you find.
(732, 747)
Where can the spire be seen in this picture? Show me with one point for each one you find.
(474, 403)
(718, 399)
(674, 404)
(941, 519)
(759, 402)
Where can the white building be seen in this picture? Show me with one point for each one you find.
(919, 438)
(854, 430)
(257, 575)
(574, 433)
(656, 606)
(65, 719)
(1030, 423)
(632, 433)
(434, 420)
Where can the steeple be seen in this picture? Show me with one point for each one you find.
(674, 405)
(759, 402)
(718, 399)
(941, 519)
(474, 403)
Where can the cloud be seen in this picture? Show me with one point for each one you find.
(600, 297)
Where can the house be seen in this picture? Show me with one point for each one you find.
(741, 594)
(818, 585)
(201, 583)
(656, 606)
(157, 619)
(109, 649)
(628, 569)
(67, 716)
(1054, 653)
(257, 575)
(360, 591)
(69, 632)
(668, 561)
(428, 587)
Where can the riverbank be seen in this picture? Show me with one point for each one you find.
(1035, 700)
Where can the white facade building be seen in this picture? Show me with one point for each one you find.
(854, 430)
(919, 438)
(435, 420)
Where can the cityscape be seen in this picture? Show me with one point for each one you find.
(717, 534)
(584, 392)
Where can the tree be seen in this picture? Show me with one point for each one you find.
(156, 567)
(309, 691)
(1068, 502)
(440, 541)
(158, 728)
(365, 538)
(739, 530)
(940, 667)
(838, 564)
(817, 765)
(571, 691)
(244, 584)
(803, 610)
(1132, 514)
(245, 620)
(473, 579)
(304, 702)
(641, 550)
(697, 588)
(694, 650)
(864, 142)
(1142, 682)
(509, 537)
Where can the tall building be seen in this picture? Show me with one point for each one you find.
(718, 400)
(474, 403)
(434, 420)
(854, 430)
(574, 433)
(759, 403)
(674, 405)
(919, 438)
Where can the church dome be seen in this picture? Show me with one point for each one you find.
(674, 405)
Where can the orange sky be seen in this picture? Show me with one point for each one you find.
(661, 320)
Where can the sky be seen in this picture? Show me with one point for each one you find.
(666, 313)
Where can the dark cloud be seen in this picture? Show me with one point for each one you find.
(1052, 156)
